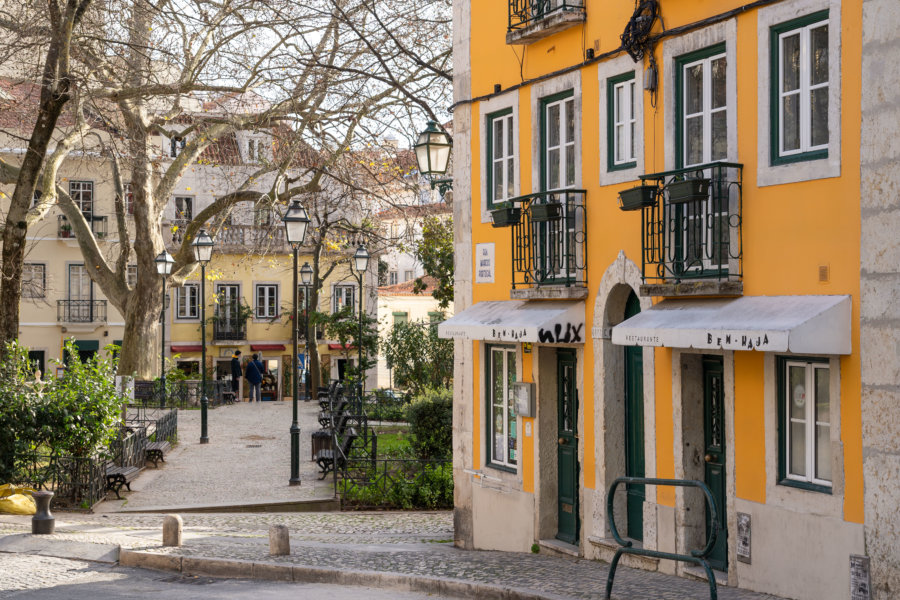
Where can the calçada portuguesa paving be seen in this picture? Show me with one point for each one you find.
(227, 471)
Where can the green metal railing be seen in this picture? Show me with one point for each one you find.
(549, 241)
(523, 13)
(697, 557)
(695, 238)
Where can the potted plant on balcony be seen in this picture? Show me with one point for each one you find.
(637, 197)
(688, 190)
(65, 230)
(549, 210)
(505, 214)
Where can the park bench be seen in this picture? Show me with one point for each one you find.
(156, 451)
(116, 477)
(325, 417)
(326, 458)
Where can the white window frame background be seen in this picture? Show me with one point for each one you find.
(130, 279)
(803, 91)
(506, 158)
(179, 214)
(566, 109)
(489, 107)
(628, 124)
(606, 70)
(128, 198)
(271, 301)
(804, 170)
(85, 187)
(491, 458)
(707, 111)
(811, 424)
(335, 291)
(29, 290)
(183, 298)
(393, 278)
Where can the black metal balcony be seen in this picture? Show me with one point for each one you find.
(549, 240)
(225, 330)
(81, 311)
(691, 230)
(99, 225)
(531, 20)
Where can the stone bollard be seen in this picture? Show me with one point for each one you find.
(42, 523)
(279, 540)
(172, 529)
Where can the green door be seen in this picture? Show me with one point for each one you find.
(634, 429)
(714, 438)
(567, 449)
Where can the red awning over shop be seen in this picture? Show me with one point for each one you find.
(261, 347)
(186, 348)
(340, 347)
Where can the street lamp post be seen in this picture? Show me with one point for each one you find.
(164, 262)
(361, 262)
(203, 246)
(296, 221)
(306, 274)
(433, 156)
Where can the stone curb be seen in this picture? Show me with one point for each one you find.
(245, 569)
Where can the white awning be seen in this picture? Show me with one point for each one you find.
(542, 321)
(797, 324)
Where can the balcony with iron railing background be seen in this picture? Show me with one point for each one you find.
(549, 241)
(98, 223)
(81, 311)
(237, 238)
(532, 20)
(691, 230)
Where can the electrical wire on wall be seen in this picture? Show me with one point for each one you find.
(637, 42)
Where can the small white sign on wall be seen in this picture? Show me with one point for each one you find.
(484, 263)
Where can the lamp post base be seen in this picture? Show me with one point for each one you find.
(204, 403)
(295, 453)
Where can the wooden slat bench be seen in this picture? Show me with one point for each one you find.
(116, 477)
(156, 451)
(326, 459)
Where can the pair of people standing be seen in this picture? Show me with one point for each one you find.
(253, 373)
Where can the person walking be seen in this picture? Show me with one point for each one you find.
(254, 375)
(236, 373)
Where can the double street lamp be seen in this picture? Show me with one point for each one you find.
(296, 222)
(203, 247)
(164, 262)
(361, 263)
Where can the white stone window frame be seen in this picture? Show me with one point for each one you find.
(724, 32)
(490, 461)
(179, 214)
(707, 111)
(489, 107)
(85, 187)
(271, 290)
(336, 289)
(181, 293)
(606, 70)
(508, 125)
(789, 497)
(811, 425)
(808, 170)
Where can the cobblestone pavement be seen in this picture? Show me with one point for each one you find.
(20, 572)
(407, 543)
(247, 460)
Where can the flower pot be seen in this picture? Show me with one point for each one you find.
(688, 190)
(550, 211)
(504, 217)
(637, 198)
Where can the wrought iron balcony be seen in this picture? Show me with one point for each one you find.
(99, 225)
(225, 330)
(549, 241)
(691, 230)
(238, 238)
(531, 20)
(81, 311)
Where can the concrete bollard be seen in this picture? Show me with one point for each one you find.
(279, 540)
(172, 530)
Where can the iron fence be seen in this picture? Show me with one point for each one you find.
(129, 447)
(81, 311)
(179, 394)
(396, 483)
(549, 240)
(523, 13)
(78, 483)
(693, 229)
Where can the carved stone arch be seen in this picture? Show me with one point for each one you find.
(621, 278)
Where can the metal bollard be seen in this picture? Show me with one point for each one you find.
(42, 523)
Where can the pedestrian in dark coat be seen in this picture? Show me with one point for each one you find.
(254, 375)
(236, 373)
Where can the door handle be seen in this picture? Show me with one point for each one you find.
(708, 458)
(563, 441)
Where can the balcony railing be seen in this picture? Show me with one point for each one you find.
(693, 234)
(225, 330)
(533, 19)
(99, 225)
(549, 240)
(81, 311)
(239, 238)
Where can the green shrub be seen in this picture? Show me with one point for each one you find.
(432, 488)
(430, 418)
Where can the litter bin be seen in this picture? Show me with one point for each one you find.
(321, 440)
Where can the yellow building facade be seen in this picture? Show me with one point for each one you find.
(708, 324)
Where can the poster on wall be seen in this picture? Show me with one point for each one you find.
(484, 263)
(860, 585)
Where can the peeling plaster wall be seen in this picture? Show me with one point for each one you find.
(880, 291)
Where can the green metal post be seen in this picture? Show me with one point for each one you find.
(204, 400)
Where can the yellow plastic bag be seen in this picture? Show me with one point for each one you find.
(16, 500)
